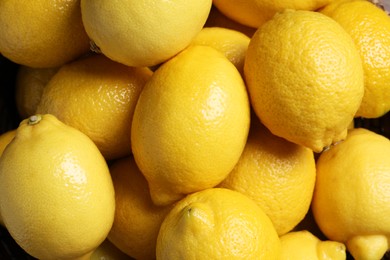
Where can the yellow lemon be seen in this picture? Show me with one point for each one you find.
(56, 194)
(42, 33)
(369, 27)
(143, 33)
(277, 174)
(190, 124)
(30, 83)
(97, 96)
(351, 202)
(305, 78)
(218, 19)
(255, 13)
(304, 245)
(137, 220)
(217, 223)
(231, 43)
(107, 251)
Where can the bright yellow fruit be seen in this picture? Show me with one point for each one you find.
(277, 174)
(42, 33)
(255, 13)
(351, 202)
(143, 33)
(107, 251)
(231, 43)
(217, 224)
(30, 83)
(190, 124)
(305, 78)
(97, 96)
(369, 27)
(304, 245)
(137, 220)
(56, 194)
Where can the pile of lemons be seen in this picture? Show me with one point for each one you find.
(197, 129)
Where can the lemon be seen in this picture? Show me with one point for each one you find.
(42, 33)
(233, 44)
(304, 245)
(29, 85)
(217, 223)
(352, 194)
(97, 96)
(369, 27)
(277, 174)
(255, 13)
(56, 194)
(305, 78)
(190, 124)
(143, 33)
(107, 251)
(137, 220)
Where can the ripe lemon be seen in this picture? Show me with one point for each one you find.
(137, 220)
(305, 78)
(277, 174)
(351, 202)
(304, 245)
(143, 33)
(217, 223)
(30, 83)
(255, 13)
(369, 27)
(218, 19)
(190, 124)
(42, 33)
(56, 194)
(233, 44)
(97, 96)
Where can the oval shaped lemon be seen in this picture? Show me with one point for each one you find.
(56, 194)
(190, 124)
(305, 78)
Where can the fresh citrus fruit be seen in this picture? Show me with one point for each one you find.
(107, 251)
(351, 202)
(56, 194)
(30, 83)
(97, 96)
(217, 223)
(190, 124)
(369, 27)
(255, 13)
(137, 220)
(42, 33)
(305, 78)
(147, 32)
(277, 174)
(231, 43)
(304, 245)
(218, 19)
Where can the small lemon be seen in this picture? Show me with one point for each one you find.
(277, 174)
(304, 245)
(369, 27)
(29, 85)
(217, 223)
(190, 124)
(305, 78)
(56, 194)
(233, 44)
(137, 220)
(97, 96)
(255, 13)
(42, 33)
(143, 33)
(351, 202)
